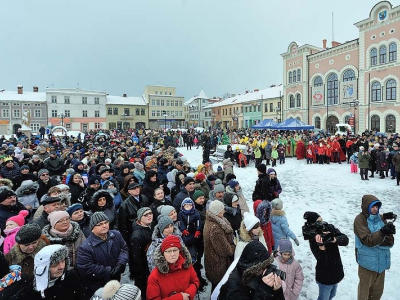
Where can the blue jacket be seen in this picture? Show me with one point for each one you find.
(280, 227)
(96, 258)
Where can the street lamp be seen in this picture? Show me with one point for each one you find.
(354, 104)
(165, 119)
(61, 116)
(278, 114)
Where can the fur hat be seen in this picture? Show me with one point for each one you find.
(262, 168)
(138, 166)
(96, 218)
(277, 204)
(113, 290)
(233, 183)
(20, 218)
(250, 221)
(216, 207)
(285, 246)
(28, 234)
(42, 171)
(218, 188)
(311, 217)
(165, 210)
(142, 211)
(197, 194)
(163, 222)
(103, 169)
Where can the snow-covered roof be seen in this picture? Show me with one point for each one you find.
(201, 95)
(269, 93)
(125, 100)
(26, 96)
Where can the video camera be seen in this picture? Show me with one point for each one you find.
(274, 270)
(319, 227)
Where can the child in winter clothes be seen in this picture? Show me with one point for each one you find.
(280, 226)
(221, 173)
(262, 210)
(274, 156)
(281, 154)
(242, 160)
(354, 163)
(328, 153)
(274, 186)
(13, 225)
(309, 153)
(294, 272)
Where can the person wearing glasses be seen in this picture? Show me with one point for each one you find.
(45, 183)
(102, 257)
(63, 231)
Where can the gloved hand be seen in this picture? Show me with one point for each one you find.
(296, 242)
(383, 165)
(389, 228)
(117, 271)
(185, 233)
(388, 216)
(275, 194)
(197, 234)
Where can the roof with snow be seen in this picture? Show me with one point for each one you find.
(201, 95)
(269, 93)
(119, 100)
(25, 96)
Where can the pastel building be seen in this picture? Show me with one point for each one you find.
(355, 82)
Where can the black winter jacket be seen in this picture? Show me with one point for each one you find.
(262, 189)
(139, 242)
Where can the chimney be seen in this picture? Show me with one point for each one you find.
(124, 95)
(256, 90)
(35, 89)
(20, 89)
(324, 43)
(334, 44)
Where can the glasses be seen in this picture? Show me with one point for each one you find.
(44, 175)
(148, 214)
(102, 223)
(170, 251)
(64, 220)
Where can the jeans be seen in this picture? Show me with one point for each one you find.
(326, 292)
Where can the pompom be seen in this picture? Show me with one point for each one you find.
(110, 289)
(24, 213)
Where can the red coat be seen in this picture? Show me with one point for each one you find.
(335, 146)
(242, 157)
(300, 150)
(321, 150)
(310, 150)
(328, 151)
(266, 227)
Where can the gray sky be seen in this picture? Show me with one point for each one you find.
(120, 46)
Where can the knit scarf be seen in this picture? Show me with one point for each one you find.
(62, 234)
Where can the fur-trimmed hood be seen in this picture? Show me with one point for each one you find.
(6, 182)
(221, 222)
(97, 195)
(162, 264)
(278, 212)
(27, 186)
(157, 234)
(76, 229)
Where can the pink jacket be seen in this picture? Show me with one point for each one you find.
(9, 241)
(294, 278)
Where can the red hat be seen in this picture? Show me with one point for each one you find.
(20, 218)
(171, 241)
(200, 177)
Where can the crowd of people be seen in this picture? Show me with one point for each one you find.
(76, 215)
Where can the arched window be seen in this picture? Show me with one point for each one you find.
(349, 75)
(294, 76)
(391, 89)
(317, 122)
(374, 55)
(298, 118)
(376, 91)
(291, 101)
(382, 55)
(392, 52)
(333, 89)
(390, 123)
(318, 81)
(298, 100)
(298, 75)
(376, 123)
(290, 77)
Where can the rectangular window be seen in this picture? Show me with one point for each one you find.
(126, 111)
(5, 113)
(84, 100)
(37, 113)
(158, 102)
(245, 109)
(96, 100)
(271, 107)
(153, 102)
(68, 126)
(142, 112)
(172, 102)
(67, 113)
(230, 111)
(54, 113)
(35, 126)
(167, 102)
(137, 111)
(162, 102)
(66, 99)
(265, 107)
(176, 103)
(53, 99)
(84, 127)
(84, 113)
(158, 113)
(180, 113)
(170, 93)
(156, 92)
(109, 111)
(16, 113)
(115, 111)
(153, 113)
(97, 114)
(180, 103)
(97, 126)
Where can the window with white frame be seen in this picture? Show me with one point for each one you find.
(167, 102)
(153, 113)
(290, 77)
(84, 100)
(97, 126)
(376, 91)
(115, 111)
(137, 111)
(180, 103)
(109, 111)
(142, 112)
(5, 113)
(298, 100)
(96, 100)
(159, 113)
(35, 126)
(153, 102)
(53, 99)
(291, 101)
(332, 89)
(373, 57)
(176, 103)
(54, 113)
(382, 54)
(67, 113)
(37, 113)
(16, 113)
(392, 52)
(391, 89)
(180, 113)
(66, 99)
(162, 102)
(84, 113)
(97, 114)
(158, 102)
(298, 75)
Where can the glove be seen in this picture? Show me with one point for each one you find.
(185, 233)
(276, 195)
(388, 216)
(383, 165)
(117, 271)
(197, 234)
(389, 228)
(296, 241)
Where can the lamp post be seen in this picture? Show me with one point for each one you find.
(61, 116)
(354, 104)
(278, 114)
(165, 119)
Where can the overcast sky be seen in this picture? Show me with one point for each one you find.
(121, 46)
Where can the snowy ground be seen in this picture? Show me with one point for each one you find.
(333, 192)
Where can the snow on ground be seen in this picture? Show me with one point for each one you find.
(334, 193)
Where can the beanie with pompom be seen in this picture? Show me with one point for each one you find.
(113, 290)
(20, 218)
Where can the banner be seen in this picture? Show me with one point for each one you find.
(317, 94)
(348, 91)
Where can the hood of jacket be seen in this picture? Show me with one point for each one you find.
(366, 202)
(101, 193)
(162, 264)
(6, 182)
(171, 175)
(27, 185)
(262, 210)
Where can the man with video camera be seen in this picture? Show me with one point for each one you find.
(373, 240)
(325, 240)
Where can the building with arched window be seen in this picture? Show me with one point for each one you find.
(356, 82)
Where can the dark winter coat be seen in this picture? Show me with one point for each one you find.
(35, 166)
(232, 214)
(54, 165)
(108, 209)
(155, 205)
(180, 197)
(22, 177)
(139, 242)
(96, 258)
(149, 187)
(8, 212)
(42, 220)
(85, 197)
(396, 161)
(262, 188)
(275, 188)
(363, 160)
(127, 214)
(44, 187)
(10, 173)
(75, 190)
(84, 224)
(190, 221)
(381, 163)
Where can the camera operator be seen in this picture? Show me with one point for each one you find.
(252, 278)
(325, 247)
(374, 238)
